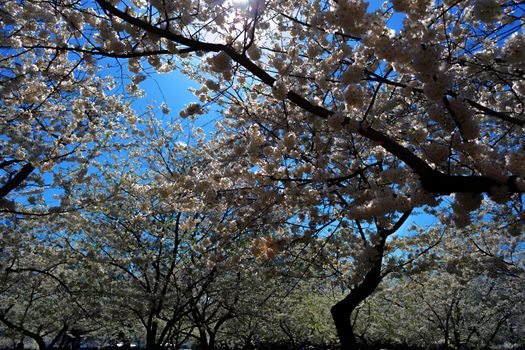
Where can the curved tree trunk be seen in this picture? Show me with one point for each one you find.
(342, 311)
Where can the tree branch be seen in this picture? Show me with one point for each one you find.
(16, 180)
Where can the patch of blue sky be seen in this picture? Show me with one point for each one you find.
(174, 89)
(417, 219)
(395, 21)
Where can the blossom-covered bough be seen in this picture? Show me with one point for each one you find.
(58, 115)
(460, 293)
(41, 286)
(433, 59)
(342, 115)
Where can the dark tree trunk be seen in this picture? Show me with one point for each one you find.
(41, 343)
(341, 316)
(204, 342)
(151, 335)
(35, 336)
(342, 311)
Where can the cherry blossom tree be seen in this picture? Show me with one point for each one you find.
(339, 117)
(161, 245)
(282, 297)
(40, 295)
(59, 113)
(466, 293)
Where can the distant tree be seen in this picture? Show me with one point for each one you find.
(466, 293)
(160, 244)
(39, 295)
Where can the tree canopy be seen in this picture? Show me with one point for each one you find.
(339, 121)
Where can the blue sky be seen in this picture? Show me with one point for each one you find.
(173, 89)
(395, 22)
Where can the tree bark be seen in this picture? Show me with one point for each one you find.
(341, 316)
(342, 311)
(16, 180)
(151, 335)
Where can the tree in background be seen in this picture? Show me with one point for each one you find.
(41, 293)
(466, 293)
(161, 245)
